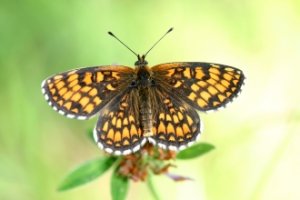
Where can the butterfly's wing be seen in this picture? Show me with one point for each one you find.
(205, 86)
(176, 124)
(81, 93)
(118, 129)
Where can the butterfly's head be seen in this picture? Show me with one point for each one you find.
(141, 61)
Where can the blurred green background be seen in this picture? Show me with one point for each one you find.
(257, 137)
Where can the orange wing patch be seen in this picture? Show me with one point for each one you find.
(204, 86)
(82, 93)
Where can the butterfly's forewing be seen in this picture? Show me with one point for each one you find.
(118, 130)
(83, 92)
(204, 86)
(175, 123)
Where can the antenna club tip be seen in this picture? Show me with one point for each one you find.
(110, 33)
(171, 29)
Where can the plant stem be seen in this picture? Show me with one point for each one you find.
(151, 187)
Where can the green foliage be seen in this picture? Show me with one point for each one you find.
(120, 183)
(119, 186)
(86, 172)
(195, 151)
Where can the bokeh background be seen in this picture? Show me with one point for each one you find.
(257, 138)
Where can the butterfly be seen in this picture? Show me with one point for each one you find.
(139, 105)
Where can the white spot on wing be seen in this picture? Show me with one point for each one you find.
(143, 141)
(95, 135)
(136, 148)
(43, 83)
(151, 140)
(108, 150)
(61, 112)
(190, 143)
(100, 145)
(173, 148)
(70, 116)
(163, 146)
(198, 137)
(201, 126)
(182, 147)
(126, 152)
(81, 117)
(210, 111)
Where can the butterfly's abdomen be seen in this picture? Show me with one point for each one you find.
(145, 111)
(144, 84)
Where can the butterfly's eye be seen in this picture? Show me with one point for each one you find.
(153, 82)
(141, 62)
(133, 83)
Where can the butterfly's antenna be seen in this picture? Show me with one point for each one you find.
(171, 29)
(110, 33)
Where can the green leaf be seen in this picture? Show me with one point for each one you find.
(119, 186)
(151, 187)
(86, 172)
(195, 151)
(90, 134)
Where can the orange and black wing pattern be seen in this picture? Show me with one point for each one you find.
(118, 130)
(205, 86)
(176, 125)
(81, 93)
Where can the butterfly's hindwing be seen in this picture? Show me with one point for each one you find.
(205, 86)
(175, 124)
(82, 93)
(118, 130)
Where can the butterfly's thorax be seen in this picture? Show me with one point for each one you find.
(144, 84)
